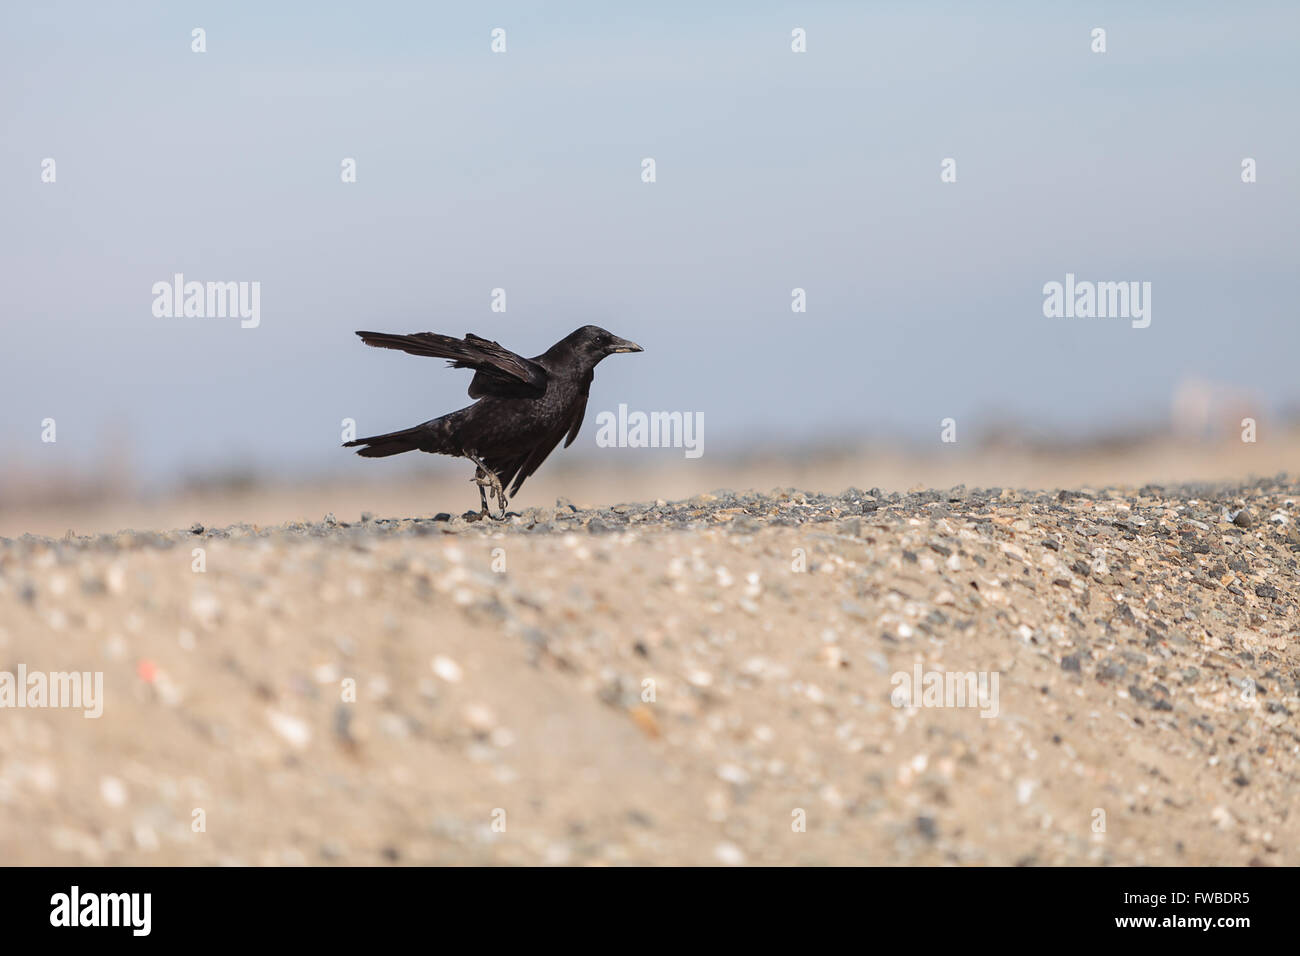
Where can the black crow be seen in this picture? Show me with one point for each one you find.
(525, 405)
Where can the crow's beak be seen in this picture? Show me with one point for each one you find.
(623, 345)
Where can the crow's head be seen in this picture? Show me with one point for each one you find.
(593, 343)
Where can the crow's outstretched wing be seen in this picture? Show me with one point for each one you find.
(497, 370)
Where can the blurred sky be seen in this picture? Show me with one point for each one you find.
(522, 171)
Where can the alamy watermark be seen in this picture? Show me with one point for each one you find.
(1100, 300)
(130, 910)
(946, 689)
(208, 300)
(83, 689)
(651, 430)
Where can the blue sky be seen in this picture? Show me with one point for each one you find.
(522, 171)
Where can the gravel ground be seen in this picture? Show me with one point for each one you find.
(699, 682)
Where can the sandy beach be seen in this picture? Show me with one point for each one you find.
(731, 677)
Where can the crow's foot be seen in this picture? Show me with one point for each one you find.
(486, 478)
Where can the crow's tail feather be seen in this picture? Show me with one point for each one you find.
(394, 443)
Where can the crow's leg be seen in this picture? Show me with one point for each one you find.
(482, 491)
(485, 478)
